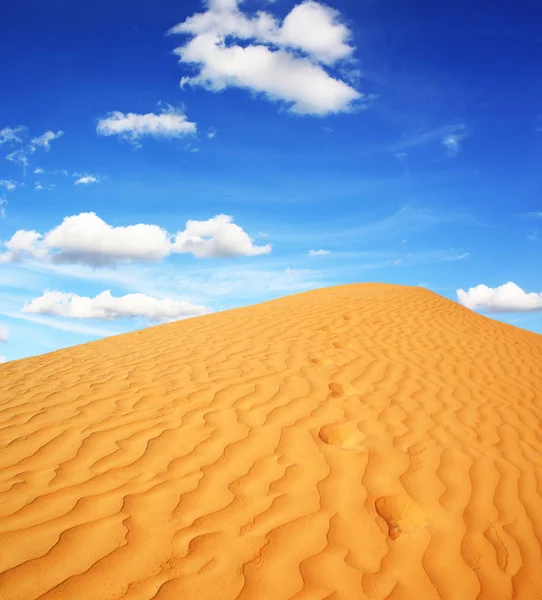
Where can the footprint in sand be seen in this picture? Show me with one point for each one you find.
(337, 390)
(401, 514)
(343, 435)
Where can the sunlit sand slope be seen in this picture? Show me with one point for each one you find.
(357, 442)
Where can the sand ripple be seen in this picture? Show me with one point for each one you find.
(357, 442)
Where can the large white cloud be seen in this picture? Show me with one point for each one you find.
(88, 239)
(4, 334)
(105, 306)
(505, 298)
(170, 123)
(268, 65)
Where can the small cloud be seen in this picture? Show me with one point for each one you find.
(20, 157)
(452, 140)
(4, 334)
(170, 123)
(396, 261)
(211, 134)
(38, 186)
(401, 155)
(505, 298)
(12, 135)
(38, 171)
(3, 203)
(8, 184)
(3, 359)
(108, 307)
(45, 139)
(319, 252)
(216, 237)
(190, 148)
(86, 179)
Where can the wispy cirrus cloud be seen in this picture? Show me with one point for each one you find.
(8, 184)
(21, 156)
(12, 135)
(452, 140)
(44, 140)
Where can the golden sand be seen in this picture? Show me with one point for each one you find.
(358, 442)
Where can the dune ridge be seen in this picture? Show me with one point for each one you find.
(366, 441)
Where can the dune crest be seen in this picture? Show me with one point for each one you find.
(365, 441)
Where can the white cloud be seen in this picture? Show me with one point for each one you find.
(38, 186)
(452, 140)
(105, 306)
(3, 359)
(216, 237)
(277, 72)
(3, 203)
(4, 334)
(317, 30)
(45, 139)
(319, 252)
(310, 27)
(11, 135)
(8, 184)
(505, 298)
(20, 157)
(87, 239)
(86, 179)
(211, 134)
(38, 171)
(170, 123)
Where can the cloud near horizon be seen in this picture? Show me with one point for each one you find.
(108, 307)
(87, 239)
(271, 63)
(505, 298)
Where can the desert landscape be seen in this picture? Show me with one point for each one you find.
(366, 441)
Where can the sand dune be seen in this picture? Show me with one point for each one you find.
(358, 442)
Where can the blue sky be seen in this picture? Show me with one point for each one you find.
(177, 158)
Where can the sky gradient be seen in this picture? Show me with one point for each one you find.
(179, 158)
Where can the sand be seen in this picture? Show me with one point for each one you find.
(357, 442)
